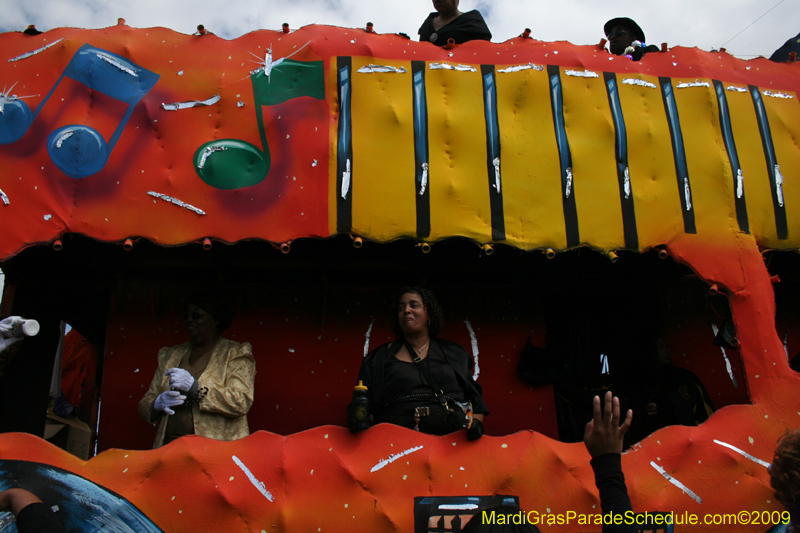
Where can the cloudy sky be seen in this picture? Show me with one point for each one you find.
(706, 24)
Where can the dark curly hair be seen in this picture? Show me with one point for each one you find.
(435, 314)
(784, 474)
(215, 305)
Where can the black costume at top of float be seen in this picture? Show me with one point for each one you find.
(468, 26)
(397, 387)
(634, 51)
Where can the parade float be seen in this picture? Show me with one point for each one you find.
(544, 190)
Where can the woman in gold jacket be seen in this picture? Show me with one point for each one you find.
(205, 386)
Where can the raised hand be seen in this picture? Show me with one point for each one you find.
(603, 434)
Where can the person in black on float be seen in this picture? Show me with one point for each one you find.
(450, 23)
(420, 381)
(626, 38)
(668, 395)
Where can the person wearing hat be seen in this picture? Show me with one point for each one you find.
(626, 38)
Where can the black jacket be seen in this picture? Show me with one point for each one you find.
(468, 26)
(372, 372)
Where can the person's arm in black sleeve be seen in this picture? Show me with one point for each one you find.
(474, 394)
(32, 515)
(639, 53)
(614, 498)
(603, 439)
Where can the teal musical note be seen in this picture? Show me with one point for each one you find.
(79, 150)
(233, 163)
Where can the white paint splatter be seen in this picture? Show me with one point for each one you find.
(694, 83)
(581, 73)
(677, 483)
(715, 329)
(176, 202)
(346, 180)
(64, 136)
(461, 507)
(366, 335)
(687, 194)
(474, 341)
(739, 183)
(743, 453)
(627, 183)
(207, 152)
(424, 180)
(112, 61)
(517, 68)
(393, 458)
(779, 185)
(29, 54)
(641, 83)
(369, 69)
(448, 66)
(256, 483)
(568, 184)
(191, 103)
(777, 94)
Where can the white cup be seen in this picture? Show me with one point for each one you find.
(25, 327)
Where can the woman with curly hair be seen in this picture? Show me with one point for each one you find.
(420, 381)
(784, 474)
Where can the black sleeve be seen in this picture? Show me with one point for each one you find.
(426, 29)
(614, 498)
(640, 52)
(478, 405)
(477, 29)
(38, 518)
(458, 357)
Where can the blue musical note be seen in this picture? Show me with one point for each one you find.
(78, 150)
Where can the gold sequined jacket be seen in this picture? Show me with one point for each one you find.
(229, 377)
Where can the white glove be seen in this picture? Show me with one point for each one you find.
(168, 399)
(179, 379)
(5, 324)
(6, 342)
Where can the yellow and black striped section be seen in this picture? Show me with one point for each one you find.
(530, 165)
(383, 152)
(539, 156)
(783, 115)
